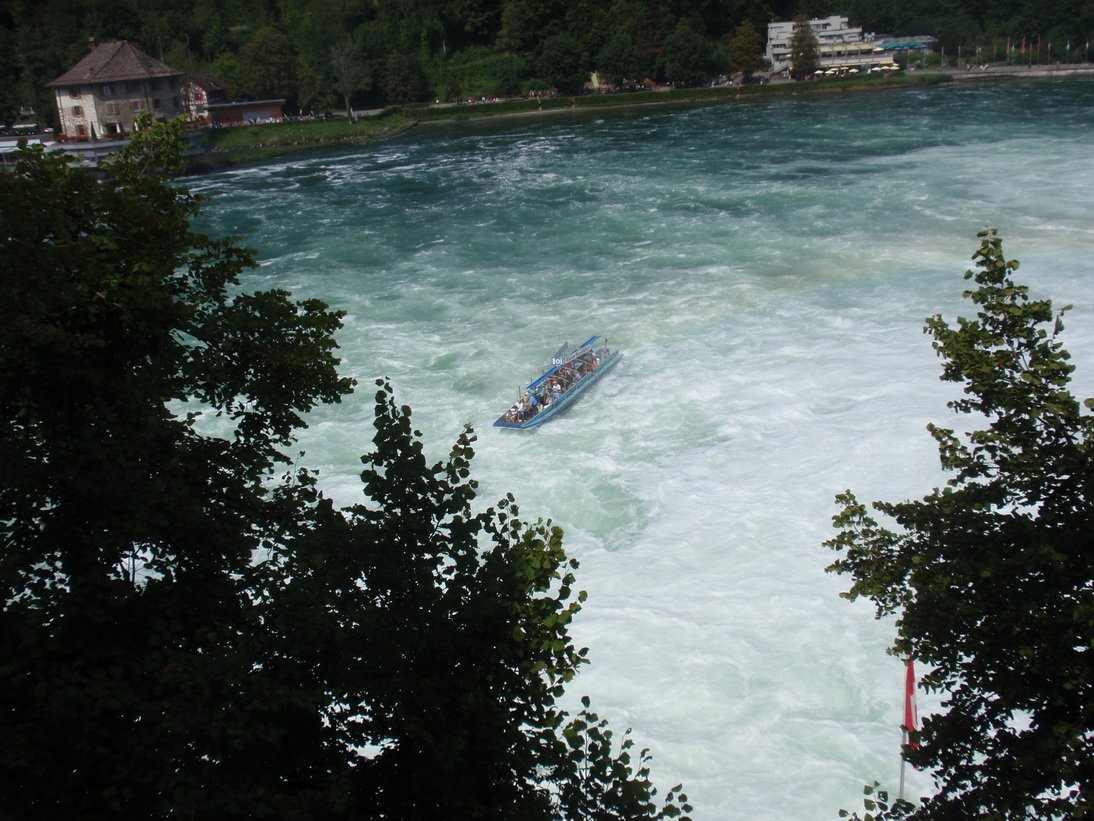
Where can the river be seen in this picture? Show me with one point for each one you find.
(765, 267)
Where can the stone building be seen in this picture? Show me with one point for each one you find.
(100, 96)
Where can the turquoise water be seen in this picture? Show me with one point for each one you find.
(765, 267)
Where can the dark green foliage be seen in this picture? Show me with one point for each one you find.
(128, 533)
(43, 38)
(644, 22)
(746, 50)
(479, 73)
(188, 635)
(507, 80)
(466, 636)
(876, 806)
(992, 576)
(564, 64)
(618, 61)
(402, 80)
(688, 59)
(269, 68)
(804, 49)
(442, 637)
(603, 786)
(349, 72)
(522, 22)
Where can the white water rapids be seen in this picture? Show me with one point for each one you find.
(765, 269)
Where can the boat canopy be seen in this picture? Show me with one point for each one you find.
(558, 358)
(533, 385)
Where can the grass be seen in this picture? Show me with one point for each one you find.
(240, 145)
(676, 95)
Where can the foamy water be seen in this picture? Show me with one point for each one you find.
(765, 268)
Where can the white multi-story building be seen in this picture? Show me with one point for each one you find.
(839, 46)
(100, 96)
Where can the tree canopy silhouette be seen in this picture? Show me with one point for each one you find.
(992, 576)
(191, 629)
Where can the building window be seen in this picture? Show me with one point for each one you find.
(136, 105)
(81, 130)
(106, 90)
(110, 108)
(77, 111)
(156, 103)
(74, 91)
(113, 128)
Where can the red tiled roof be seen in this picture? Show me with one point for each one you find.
(112, 62)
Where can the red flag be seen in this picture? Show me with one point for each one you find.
(911, 715)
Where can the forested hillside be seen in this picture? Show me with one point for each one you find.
(316, 53)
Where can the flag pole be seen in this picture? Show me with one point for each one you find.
(911, 719)
(903, 741)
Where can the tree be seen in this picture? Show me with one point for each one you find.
(228, 70)
(618, 61)
(452, 88)
(9, 67)
(643, 23)
(50, 35)
(450, 628)
(563, 64)
(128, 522)
(189, 635)
(349, 72)
(506, 79)
(459, 634)
(269, 67)
(402, 79)
(687, 56)
(520, 24)
(602, 783)
(746, 50)
(992, 576)
(804, 49)
(311, 91)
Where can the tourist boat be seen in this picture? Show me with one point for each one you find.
(572, 370)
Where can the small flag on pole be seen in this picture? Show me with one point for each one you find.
(911, 717)
(911, 714)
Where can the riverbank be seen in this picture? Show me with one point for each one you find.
(249, 145)
(1027, 72)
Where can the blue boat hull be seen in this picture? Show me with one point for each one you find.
(566, 399)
